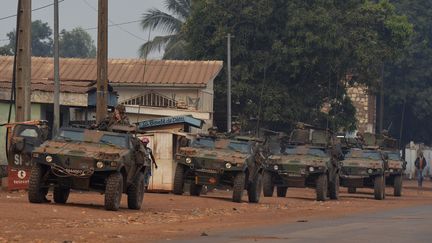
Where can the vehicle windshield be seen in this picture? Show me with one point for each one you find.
(305, 151)
(394, 156)
(120, 141)
(375, 155)
(73, 135)
(241, 147)
(203, 143)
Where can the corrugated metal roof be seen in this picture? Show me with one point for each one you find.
(125, 72)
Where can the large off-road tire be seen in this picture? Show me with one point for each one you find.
(334, 187)
(238, 187)
(179, 180)
(352, 190)
(268, 186)
(282, 191)
(379, 187)
(255, 188)
(135, 193)
(113, 191)
(321, 187)
(397, 186)
(195, 189)
(61, 194)
(36, 193)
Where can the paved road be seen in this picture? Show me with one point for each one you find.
(402, 225)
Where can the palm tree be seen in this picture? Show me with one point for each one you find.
(173, 43)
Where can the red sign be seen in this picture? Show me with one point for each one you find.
(18, 179)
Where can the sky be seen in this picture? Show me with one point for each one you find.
(75, 13)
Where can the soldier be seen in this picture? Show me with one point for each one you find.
(235, 128)
(148, 150)
(119, 117)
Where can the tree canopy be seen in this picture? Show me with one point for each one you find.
(76, 43)
(173, 44)
(291, 58)
(41, 40)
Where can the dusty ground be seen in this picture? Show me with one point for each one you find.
(169, 217)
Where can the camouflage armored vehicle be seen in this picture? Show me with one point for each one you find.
(396, 165)
(108, 162)
(219, 161)
(364, 167)
(308, 158)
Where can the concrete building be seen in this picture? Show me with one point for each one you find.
(365, 104)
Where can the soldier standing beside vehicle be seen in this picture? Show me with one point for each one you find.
(420, 164)
(148, 152)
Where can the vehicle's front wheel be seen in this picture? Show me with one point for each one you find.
(397, 184)
(238, 186)
(195, 189)
(178, 180)
(334, 187)
(113, 191)
(282, 191)
(254, 189)
(321, 187)
(379, 187)
(268, 186)
(36, 193)
(135, 192)
(61, 194)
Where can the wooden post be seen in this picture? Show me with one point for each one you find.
(23, 64)
(102, 61)
(56, 123)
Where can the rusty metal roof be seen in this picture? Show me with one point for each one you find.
(121, 72)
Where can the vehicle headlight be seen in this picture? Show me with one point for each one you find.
(311, 169)
(370, 171)
(188, 160)
(276, 167)
(49, 159)
(228, 165)
(100, 164)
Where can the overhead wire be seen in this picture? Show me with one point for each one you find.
(116, 25)
(36, 9)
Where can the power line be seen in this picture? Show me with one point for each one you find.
(114, 24)
(36, 9)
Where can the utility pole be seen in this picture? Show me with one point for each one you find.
(229, 36)
(23, 64)
(56, 124)
(102, 61)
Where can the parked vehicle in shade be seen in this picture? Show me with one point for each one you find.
(364, 168)
(218, 161)
(308, 158)
(108, 162)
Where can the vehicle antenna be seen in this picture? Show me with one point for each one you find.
(141, 99)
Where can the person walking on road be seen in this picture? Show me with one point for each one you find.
(420, 164)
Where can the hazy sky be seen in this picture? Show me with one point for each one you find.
(74, 13)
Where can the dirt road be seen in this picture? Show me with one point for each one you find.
(169, 217)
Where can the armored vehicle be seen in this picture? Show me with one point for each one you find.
(236, 163)
(396, 165)
(308, 158)
(364, 166)
(108, 162)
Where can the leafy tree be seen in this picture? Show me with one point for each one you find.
(41, 42)
(174, 43)
(408, 79)
(291, 58)
(76, 43)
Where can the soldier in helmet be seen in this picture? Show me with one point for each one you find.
(119, 117)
